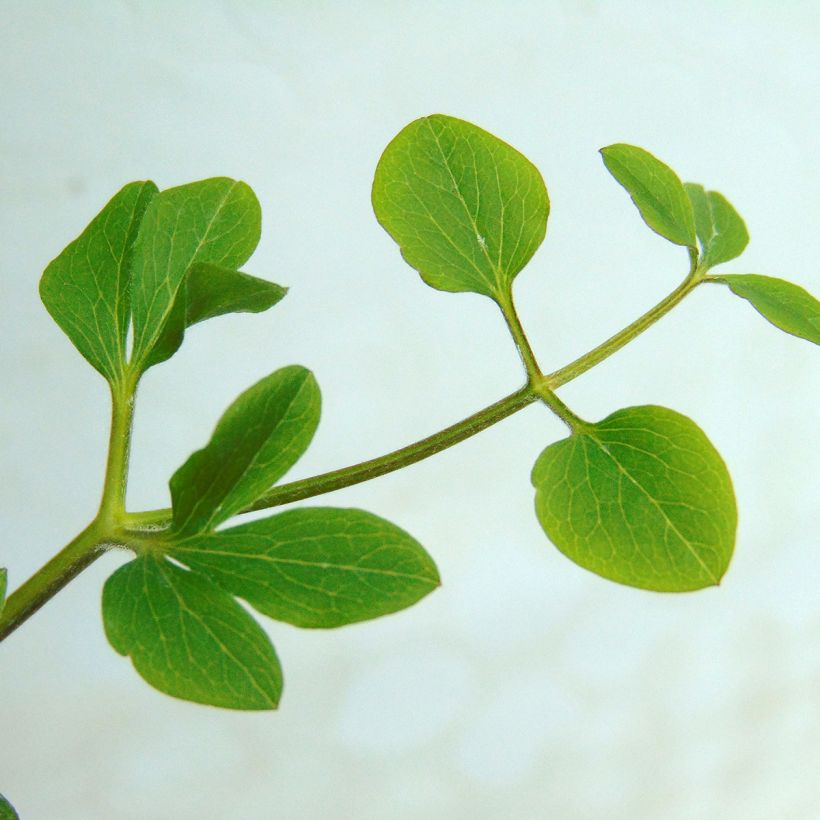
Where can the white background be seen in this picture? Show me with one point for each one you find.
(524, 687)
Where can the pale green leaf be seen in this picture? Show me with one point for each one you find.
(7, 811)
(258, 439)
(316, 567)
(467, 210)
(655, 189)
(86, 289)
(216, 221)
(642, 498)
(784, 304)
(208, 291)
(720, 229)
(189, 638)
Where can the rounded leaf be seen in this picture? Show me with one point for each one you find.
(642, 498)
(467, 210)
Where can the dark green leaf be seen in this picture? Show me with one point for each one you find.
(189, 638)
(216, 221)
(656, 191)
(720, 229)
(86, 288)
(208, 291)
(316, 567)
(258, 439)
(467, 210)
(642, 498)
(785, 305)
(7, 811)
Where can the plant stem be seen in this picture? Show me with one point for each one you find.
(51, 578)
(505, 302)
(109, 527)
(348, 476)
(112, 505)
(355, 474)
(616, 342)
(105, 529)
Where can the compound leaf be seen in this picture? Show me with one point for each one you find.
(208, 291)
(258, 439)
(720, 229)
(467, 210)
(784, 304)
(642, 498)
(316, 567)
(189, 638)
(655, 189)
(216, 221)
(86, 289)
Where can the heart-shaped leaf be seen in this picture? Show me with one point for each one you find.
(467, 210)
(258, 439)
(642, 498)
(655, 189)
(784, 304)
(189, 638)
(316, 567)
(86, 289)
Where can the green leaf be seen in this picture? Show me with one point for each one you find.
(720, 229)
(86, 288)
(467, 210)
(642, 498)
(7, 811)
(656, 191)
(208, 291)
(258, 439)
(216, 221)
(3, 585)
(189, 638)
(784, 304)
(316, 567)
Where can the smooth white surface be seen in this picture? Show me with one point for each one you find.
(525, 687)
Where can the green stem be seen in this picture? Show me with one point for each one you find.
(51, 578)
(105, 529)
(112, 505)
(573, 421)
(616, 342)
(505, 302)
(356, 474)
(109, 525)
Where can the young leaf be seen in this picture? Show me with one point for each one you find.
(205, 292)
(784, 304)
(217, 221)
(86, 288)
(213, 291)
(258, 439)
(316, 567)
(189, 638)
(642, 498)
(720, 229)
(7, 811)
(467, 210)
(656, 191)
